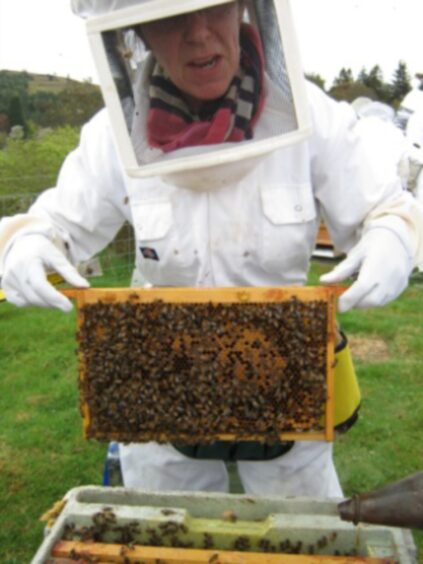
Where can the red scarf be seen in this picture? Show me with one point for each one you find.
(172, 126)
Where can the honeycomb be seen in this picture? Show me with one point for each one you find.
(197, 372)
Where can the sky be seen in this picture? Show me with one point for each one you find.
(45, 37)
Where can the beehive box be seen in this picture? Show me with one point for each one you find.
(123, 525)
(199, 365)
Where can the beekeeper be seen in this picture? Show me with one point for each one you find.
(414, 137)
(377, 126)
(224, 162)
(412, 102)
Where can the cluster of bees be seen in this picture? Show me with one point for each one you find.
(193, 372)
(105, 529)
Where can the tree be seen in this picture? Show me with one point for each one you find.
(401, 84)
(13, 84)
(350, 91)
(16, 115)
(40, 106)
(316, 79)
(363, 76)
(74, 105)
(374, 81)
(4, 123)
(375, 78)
(345, 77)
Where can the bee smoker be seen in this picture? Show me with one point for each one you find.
(399, 504)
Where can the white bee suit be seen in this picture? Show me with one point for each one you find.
(306, 470)
(257, 231)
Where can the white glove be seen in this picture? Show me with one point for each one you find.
(24, 280)
(383, 266)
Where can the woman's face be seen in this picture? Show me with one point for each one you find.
(199, 51)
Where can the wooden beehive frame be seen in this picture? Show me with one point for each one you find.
(235, 295)
(150, 555)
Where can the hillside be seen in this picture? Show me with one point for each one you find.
(46, 82)
(45, 100)
(52, 83)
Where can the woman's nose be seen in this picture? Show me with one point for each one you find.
(197, 26)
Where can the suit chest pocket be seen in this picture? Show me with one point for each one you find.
(165, 250)
(288, 226)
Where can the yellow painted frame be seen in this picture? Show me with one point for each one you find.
(327, 294)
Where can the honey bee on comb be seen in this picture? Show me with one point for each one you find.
(194, 372)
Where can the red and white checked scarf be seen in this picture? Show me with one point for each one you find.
(171, 124)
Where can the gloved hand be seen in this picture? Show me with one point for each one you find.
(383, 266)
(24, 280)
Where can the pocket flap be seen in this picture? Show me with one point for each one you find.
(288, 203)
(152, 218)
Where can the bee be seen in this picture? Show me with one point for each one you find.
(242, 543)
(163, 371)
(208, 541)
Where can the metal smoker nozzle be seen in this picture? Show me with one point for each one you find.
(399, 504)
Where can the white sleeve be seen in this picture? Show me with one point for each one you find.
(356, 179)
(84, 210)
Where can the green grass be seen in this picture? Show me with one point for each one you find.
(43, 454)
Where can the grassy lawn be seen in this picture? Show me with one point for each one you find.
(43, 454)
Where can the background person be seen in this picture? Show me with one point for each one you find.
(378, 127)
(414, 137)
(412, 102)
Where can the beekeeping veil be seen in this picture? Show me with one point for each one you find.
(124, 65)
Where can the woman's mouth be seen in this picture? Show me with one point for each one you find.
(206, 63)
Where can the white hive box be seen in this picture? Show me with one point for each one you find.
(211, 527)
